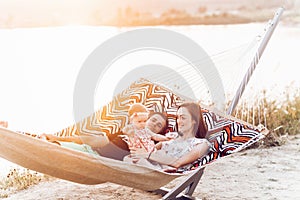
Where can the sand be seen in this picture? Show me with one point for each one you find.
(261, 173)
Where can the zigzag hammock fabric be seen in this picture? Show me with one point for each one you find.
(232, 135)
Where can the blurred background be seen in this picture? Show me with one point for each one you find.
(35, 13)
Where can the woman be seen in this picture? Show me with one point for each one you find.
(111, 146)
(185, 149)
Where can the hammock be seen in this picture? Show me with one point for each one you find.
(227, 134)
(80, 167)
(76, 166)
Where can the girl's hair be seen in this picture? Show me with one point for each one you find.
(164, 116)
(200, 128)
(136, 107)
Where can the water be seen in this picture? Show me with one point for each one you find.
(38, 67)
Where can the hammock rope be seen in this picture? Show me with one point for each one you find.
(195, 81)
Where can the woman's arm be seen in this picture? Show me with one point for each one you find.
(198, 151)
(156, 155)
(161, 157)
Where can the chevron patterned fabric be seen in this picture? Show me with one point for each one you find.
(111, 118)
(232, 135)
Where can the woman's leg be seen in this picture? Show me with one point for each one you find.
(79, 147)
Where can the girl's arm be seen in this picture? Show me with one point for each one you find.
(160, 138)
(129, 130)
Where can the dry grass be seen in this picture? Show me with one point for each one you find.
(281, 117)
(19, 179)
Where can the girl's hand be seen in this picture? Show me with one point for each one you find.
(126, 139)
(128, 130)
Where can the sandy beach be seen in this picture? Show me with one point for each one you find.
(261, 173)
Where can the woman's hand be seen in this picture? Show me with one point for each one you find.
(138, 153)
(171, 135)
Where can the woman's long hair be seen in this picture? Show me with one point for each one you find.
(200, 128)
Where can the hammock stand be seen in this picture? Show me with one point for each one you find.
(191, 182)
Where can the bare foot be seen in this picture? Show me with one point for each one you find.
(4, 124)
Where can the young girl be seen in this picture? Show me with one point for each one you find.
(137, 135)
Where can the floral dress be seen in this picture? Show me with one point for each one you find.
(177, 148)
(140, 139)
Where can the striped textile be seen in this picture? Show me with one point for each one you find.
(112, 117)
(232, 134)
